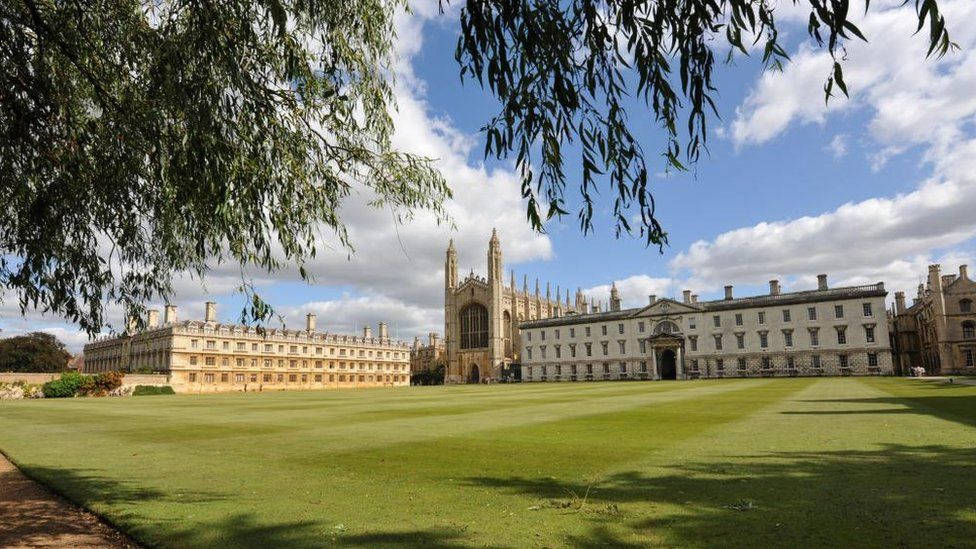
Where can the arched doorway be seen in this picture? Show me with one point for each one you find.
(668, 365)
(474, 375)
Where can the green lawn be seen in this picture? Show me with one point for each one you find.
(791, 462)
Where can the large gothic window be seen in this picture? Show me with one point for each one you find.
(474, 326)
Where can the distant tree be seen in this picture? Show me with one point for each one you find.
(34, 352)
(144, 138)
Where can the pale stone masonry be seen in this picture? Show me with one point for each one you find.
(426, 357)
(208, 356)
(482, 316)
(938, 331)
(825, 331)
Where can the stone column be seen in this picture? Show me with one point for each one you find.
(654, 373)
(679, 362)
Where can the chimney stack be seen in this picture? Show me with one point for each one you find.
(963, 271)
(821, 282)
(900, 303)
(153, 321)
(651, 299)
(384, 334)
(686, 296)
(367, 331)
(694, 298)
(310, 322)
(169, 314)
(774, 287)
(211, 315)
(728, 292)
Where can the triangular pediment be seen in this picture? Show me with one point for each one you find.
(667, 306)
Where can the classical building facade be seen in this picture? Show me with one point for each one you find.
(825, 331)
(938, 331)
(426, 357)
(482, 315)
(208, 356)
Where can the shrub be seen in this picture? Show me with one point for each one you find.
(145, 390)
(107, 382)
(66, 386)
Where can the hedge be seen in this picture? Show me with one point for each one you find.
(145, 390)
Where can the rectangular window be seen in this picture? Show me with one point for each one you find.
(589, 369)
(620, 328)
(763, 340)
(542, 335)
(814, 337)
(587, 331)
(572, 350)
(869, 334)
(740, 341)
(603, 329)
(694, 343)
(867, 309)
(694, 365)
(226, 345)
(643, 367)
(642, 343)
(589, 349)
(812, 313)
(193, 361)
(788, 338)
(815, 361)
(718, 342)
(193, 344)
(557, 333)
(720, 365)
(239, 378)
(606, 367)
(559, 351)
(841, 335)
(838, 311)
(742, 363)
(572, 333)
(790, 363)
(640, 327)
(211, 344)
(842, 360)
(761, 317)
(241, 346)
(691, 323)
(208, 378)
(606, 347)
(786, 315)
(318, 378)
(254, 346)
(542, 351)
(717, 321)
(528, 336)
(623, 367)
(240, 363)
(193, 377)
(969, 358)
(738, 319)
(766, 363)
(210, 361)
(623, 347)
(873, 360)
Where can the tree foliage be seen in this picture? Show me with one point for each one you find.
(140, 138)
(34, 352)
(565, 74)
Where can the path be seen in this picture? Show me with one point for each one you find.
(31, 516)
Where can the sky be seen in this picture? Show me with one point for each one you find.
(866, 189)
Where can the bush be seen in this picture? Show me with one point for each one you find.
(66, 386)
(106, 382)
(145, 390)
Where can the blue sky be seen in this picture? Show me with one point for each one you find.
(868, 189)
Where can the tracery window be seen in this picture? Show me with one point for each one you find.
(666, 327)
(474, 326)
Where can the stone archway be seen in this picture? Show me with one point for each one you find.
(474, 375)
(669, 364)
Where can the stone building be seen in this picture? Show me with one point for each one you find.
(938, 331)
(481, 317)
(207, 356)
(426, 357)
(825, 331)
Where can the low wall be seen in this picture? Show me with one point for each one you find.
(39, 378)
(25, 377)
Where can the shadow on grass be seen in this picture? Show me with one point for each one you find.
(898, 495)
(955, 403)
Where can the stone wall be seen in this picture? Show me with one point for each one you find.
(39, 378)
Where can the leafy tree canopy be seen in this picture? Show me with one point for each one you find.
(143, 138)
(34, 352)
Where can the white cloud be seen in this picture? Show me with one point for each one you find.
(634, 290)
(838, 146)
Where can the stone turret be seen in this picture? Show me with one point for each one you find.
(614, 297)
